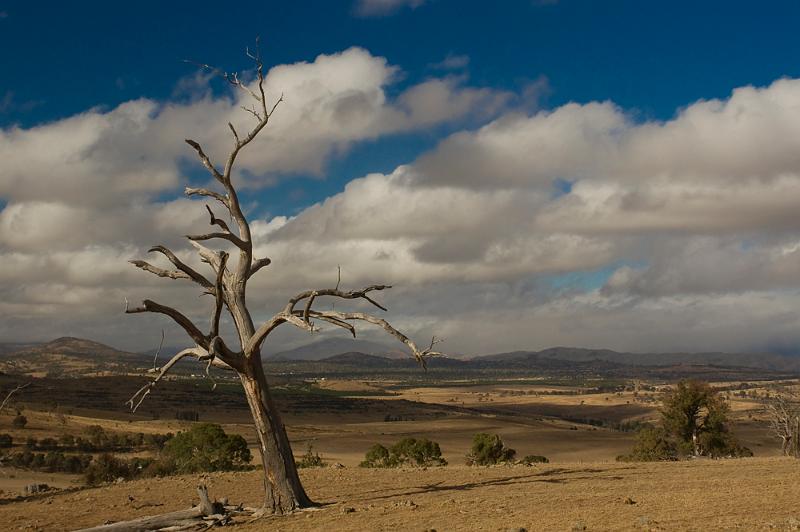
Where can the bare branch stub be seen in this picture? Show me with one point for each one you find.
(258, 264)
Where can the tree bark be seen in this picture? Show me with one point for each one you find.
(283, 492)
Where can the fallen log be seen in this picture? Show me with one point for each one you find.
(207, 512)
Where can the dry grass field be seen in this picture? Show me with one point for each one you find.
(742, 494)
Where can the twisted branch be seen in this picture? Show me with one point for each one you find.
(197, 352)
(178, 263)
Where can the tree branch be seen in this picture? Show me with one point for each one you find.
(146, 266)
(178, 263)
(187, 325)
(230, 237)
(217, 221)
(208, 193)
(197, 352)
(420, 354)
(204, 159)
(223, 258)
(335, 292)
(258, 264)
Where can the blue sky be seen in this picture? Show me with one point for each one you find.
(618, 174)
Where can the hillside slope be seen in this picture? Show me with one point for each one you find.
(69, 356)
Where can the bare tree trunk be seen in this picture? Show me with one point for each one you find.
(283, 491)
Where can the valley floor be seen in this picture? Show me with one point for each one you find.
(743, 494)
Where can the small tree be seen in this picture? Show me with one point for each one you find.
(696, 415)
(489, 449)
(283, 491)
(694, 422)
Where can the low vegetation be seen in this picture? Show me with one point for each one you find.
(310, 459)
(532, 459)
(408, 451)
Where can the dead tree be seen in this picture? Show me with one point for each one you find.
(783, 414)
(283, 491)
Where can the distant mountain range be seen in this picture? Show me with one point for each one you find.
(327, 347)
(80, 357)
(572, 354)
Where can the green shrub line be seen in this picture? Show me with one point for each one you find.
(204, 448)
(408, 451)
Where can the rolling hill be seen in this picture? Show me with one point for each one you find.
(68, 357)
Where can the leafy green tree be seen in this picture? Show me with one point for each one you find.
(694, 422)
(695, 415)
(489, 449)
(205, 447)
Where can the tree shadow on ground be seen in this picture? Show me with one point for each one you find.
(542, 476)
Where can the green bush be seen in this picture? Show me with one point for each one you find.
(422, 452)
(489, 449)
(408, 451)
(653, 444)
(6, 441)
(535, 459)
(106, 468)
(310, 459)
(377, 456)
(205, 447)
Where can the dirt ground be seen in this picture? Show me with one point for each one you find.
(743, 494)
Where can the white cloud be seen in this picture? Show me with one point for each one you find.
(378, 8)
(452, 62)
